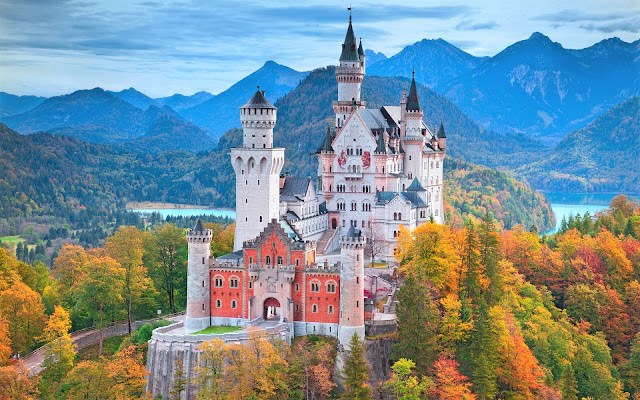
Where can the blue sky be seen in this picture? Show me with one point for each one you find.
(52, 47)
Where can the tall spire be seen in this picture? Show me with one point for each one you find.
(413, 102)
(349, 47)
(360, 49)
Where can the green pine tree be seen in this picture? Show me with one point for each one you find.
(179, 381)
(356, 372)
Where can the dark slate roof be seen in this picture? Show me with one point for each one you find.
(291, 216)
(360, 49)
(400, 148)
(349, 47)
(353, 232)
(441, 134)
(413, 102)
(326, 144)
(415, 186)
(374, 119)
(236, 255)
(382, 148)
(294, 188)
(413, 197)
(322, 207)
(258, 101)
(199, 227)
(392, 115)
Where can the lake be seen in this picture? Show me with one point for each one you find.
(186, 212)
(565, 204)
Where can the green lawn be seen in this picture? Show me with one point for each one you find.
(217, 329)
(11, 240)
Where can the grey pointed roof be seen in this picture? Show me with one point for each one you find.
(441, 134)
(360, 49)
(415, 186)
(413, 197)
(258, 101)
(353, 232)
(326, 144)
(413, 102)
(199, 227)
(294, 188)
(349, 47)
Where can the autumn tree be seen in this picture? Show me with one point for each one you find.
(100, 292)
(312, 365)
(165, 256)
(86, 381)
(60, 349)
(5, 341)
(404, 384)
(17, 384)
(126, 373)
(222, 240)
(24, 312)
(355, 372)
(125, 246)
(68, 270)
(209, 374)
(179, 380)
(450, 384)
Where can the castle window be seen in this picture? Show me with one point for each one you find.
(218, 303)
(331, 288)
(297, 308)
(203, 306)
(261, 218)
(280, 260)
(399, 216)
(234, 304)
(250, 285)
(354, 206)
(395, 216)
(357, 280)
(315, 287)
(437, 164)
(203, 260)
(297, 287)
(395, 233)
(258, 182)
(357, 303)
(233, 282)
(250, 260)
(264, 146)
(330, 309)
(267, 260)
(297, 262)
(314, 308)
(409, 158)
(363, 223)
(218, 282)
(202, 283)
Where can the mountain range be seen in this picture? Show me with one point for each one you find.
(435, 62)
(177, 101)
(602, 157)
(11, 104)
(220, 113)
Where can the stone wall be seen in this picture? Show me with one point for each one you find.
(378, 353)
(381, 327)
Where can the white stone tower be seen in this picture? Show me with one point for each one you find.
(351, 286)
(412, 137)
(198, 281)
(257, 165)
(349, 75)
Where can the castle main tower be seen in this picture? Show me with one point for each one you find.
(351, 286)
(257, 165)
(198, 281)
(349, 75)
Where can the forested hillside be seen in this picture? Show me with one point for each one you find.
(603, 157)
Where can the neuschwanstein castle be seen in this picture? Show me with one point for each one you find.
(300, 248)
(378, 169)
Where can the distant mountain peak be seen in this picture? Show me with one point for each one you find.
(538, 36)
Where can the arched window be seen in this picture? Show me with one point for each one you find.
(218, 281)
(314, 308)
(267, 260)
(234, 282)
(395, 216)
(280, 260)
(399, 216)
(315, 286)
(234, 304)
(218, 303)
(331, 287)
(330, 309)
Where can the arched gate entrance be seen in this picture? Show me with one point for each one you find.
(271, 309)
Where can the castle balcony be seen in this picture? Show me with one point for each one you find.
(353, 175)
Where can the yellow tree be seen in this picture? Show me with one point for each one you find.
(125, 246)
(86, 381)
(100, 292)
(67, 269)
(430, 254)
(5, 341)
(60, 351)
(127, 374)
(24, 312)
(210, 371)
(222, 241)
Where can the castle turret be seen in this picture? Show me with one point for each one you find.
(413, 111)
(351, 286)
(442, 137)
(349, 75)
(257, 165)
(198, 295)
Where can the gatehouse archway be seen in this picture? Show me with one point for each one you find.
(271, 309)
